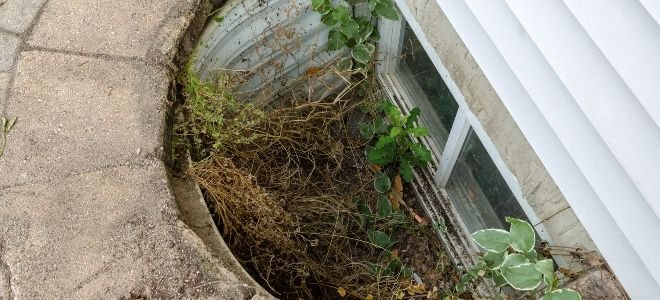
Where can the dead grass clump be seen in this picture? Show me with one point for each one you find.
(284, 191)
(252, 219)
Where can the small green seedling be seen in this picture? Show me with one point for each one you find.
(377, 225)
(510, 260)
(395, 147)
(7, 124)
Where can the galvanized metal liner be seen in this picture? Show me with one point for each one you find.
(273, 43)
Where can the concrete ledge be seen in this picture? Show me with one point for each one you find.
(120, 28)
(80, 114)
(105, 234)
(86, 209)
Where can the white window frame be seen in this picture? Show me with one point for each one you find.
(389, 50)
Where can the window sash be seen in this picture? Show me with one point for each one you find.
(389, 51)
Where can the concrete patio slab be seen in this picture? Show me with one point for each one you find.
(84, 114)
(86, 210)
(5, 77)
(17, 15)
(8, 50)
(123, 28)
(105, 235)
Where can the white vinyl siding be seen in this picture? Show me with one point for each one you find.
(580, 78)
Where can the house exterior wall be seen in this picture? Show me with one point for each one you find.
(579, 78)
(538, 188)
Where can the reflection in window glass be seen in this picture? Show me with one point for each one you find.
(424, 84)
(478, 190)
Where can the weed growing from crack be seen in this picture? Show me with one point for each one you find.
(7, 124)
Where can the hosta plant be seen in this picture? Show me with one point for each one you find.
(510, 260)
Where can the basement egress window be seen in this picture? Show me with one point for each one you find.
(465, 165)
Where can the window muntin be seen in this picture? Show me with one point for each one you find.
(478, 191)
(426, 88)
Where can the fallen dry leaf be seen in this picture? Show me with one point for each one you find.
(395, 253)
(374, 167)
(396, 194)
(394, 200)
(400, 295)
(341, 291)
(414, 289)
(313, 70)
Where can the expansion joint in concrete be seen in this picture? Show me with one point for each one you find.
(140, 163)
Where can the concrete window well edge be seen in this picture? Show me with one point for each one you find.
(192, 207)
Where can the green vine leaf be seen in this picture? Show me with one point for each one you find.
(372, 4)
(329, 20)
(522, 236)
(392, 112)
(336, 40)
(351, 29)
(361, 54)
(405, 169)
(345, 64)
(366, 130)
(386, 9)
(382, 182)
(419, 131)
(532, 256)
(546, 268)
(380, 239)
(493, 240)
(316, 4)
(421, 153)
(383, 153)
(380, 126)
(395, 131)
(384, 141)
(375, 36)
(514, 260)
(366, 29)
(562, 294)
(341, 14)
(371, 48)
(523, 277)
(498, 279)
(494, 260)
(365, 217)
(383, 206)
(412, 117)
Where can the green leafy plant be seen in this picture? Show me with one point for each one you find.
(378, 224)
(394, 147)
(7, 124)
(357, 33)
(510, 260)
(215, 117)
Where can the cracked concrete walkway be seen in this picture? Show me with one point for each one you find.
(85, 207)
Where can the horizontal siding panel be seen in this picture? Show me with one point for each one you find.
(579, 94)
(615, 112)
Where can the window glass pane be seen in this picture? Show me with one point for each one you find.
(478, 190)
(426, 88)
